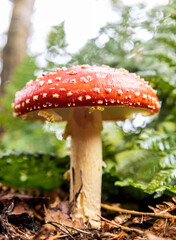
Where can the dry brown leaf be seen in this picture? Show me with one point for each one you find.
(151, 236)
(141, 220)
(161, 211)
(60, 214)
(159, 225)
(122, 218)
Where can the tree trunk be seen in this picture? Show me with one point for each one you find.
(16, 45)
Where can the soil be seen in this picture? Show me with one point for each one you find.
(29, 214)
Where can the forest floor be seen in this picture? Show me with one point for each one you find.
(35, 215)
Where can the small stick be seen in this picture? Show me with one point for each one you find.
(132, 212)
(67, 232)
(121, 226)
(58, 237)
(73, 228)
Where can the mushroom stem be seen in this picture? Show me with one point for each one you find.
(86, 164)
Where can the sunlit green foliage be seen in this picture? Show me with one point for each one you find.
(56, 54)
(26, 170)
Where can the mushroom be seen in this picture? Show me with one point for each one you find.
(84, 96)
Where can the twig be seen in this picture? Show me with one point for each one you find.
(132, 212)
(65, 231)
(121, 226)
(58, 237)
(73, 228)
(112, 236)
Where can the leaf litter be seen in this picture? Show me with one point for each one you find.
(29, 214)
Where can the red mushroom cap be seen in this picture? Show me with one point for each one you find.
(116, 91)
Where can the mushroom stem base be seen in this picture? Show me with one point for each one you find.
(86, 164)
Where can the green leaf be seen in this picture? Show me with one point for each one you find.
(27, 170)
(153, 172)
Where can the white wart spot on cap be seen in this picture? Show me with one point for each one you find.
(40, 77)
(80, 98)
(69, 94)
(55, 95)
(124, 71)
(100, 102)
(27, 101)
(101, 75)
(84, 79)
(17, 106)
(17, 94)
(137, 94)
(35, 97)
(89, 77)
(71, 72)
(88, 97)
(62, 89)
(73, 81)
(144, 96)
(29, 83)
(50, 81)
(153, 100)
(63, 68)
(44, 95)
(96, 90)
(41, 83)
(119, 91)
(52, 73)
(108, 90)
(112, 101)
(84, 66)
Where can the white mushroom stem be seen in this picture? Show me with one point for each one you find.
(86, 164)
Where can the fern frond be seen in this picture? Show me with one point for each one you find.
(163, 54)
(169, 159)
(167, 39)
(154, 140)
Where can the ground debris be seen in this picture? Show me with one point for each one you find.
(33, 215)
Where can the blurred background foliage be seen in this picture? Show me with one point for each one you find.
(138, 155)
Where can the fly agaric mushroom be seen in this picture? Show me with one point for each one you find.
(84, 96)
